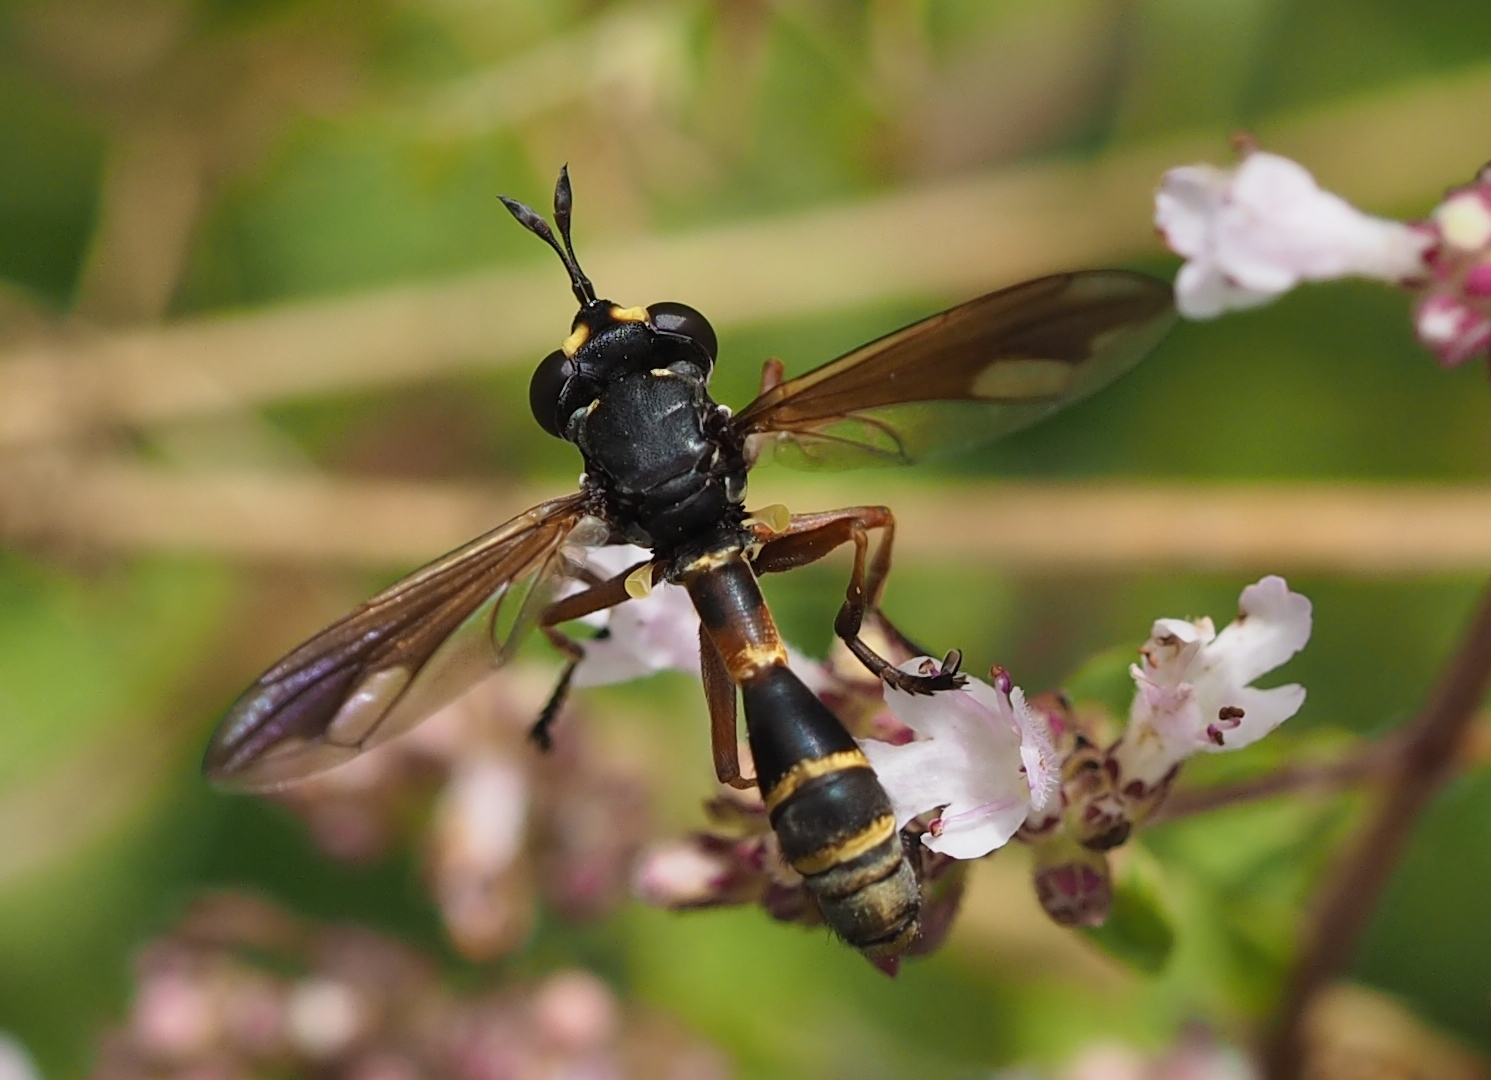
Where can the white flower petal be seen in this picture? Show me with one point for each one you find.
(1203, 291)
(913, 775)
(973, 833)
(969, 761)
(1263, 711)
(1037, 752)
(1272, 625)
(1189, 197)
(1192, 693)
(659, 632)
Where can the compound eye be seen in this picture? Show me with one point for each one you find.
(548, 382)
(674, 318)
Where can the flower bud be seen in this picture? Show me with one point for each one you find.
(1073, 883)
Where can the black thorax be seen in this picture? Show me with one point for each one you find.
(658, 450)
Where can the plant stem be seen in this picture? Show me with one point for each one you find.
(1423, 760)
(1362, 764)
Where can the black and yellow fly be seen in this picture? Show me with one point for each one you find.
(665, 467)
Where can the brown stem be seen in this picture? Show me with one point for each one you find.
(1424, 760)
(1362, 764)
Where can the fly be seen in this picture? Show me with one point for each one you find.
(665, 467)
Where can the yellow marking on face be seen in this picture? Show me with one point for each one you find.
(639, 582)
(575, 340)
(1021, 379)
(366, 706)
(775, 517)
(811, 769)
(630, 314)
(871, 836)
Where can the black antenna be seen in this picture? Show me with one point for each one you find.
(530, 220)
(564, 200)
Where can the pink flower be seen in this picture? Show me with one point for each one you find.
(1452, 329)
(1453, 315)
(658, 632)
(1192, 689)
(1252, 233)
(981, 756)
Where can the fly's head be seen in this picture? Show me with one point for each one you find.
(606, 341)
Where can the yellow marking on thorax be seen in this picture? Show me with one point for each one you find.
(811, 769)
(572, 343)
(630, 314)
(871, 836)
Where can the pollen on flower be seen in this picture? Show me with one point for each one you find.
(1464, 221)
(1228, 717)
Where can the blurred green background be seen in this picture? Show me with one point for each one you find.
(168, 161)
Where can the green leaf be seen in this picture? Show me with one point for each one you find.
(1104, 679)
(1139, 931)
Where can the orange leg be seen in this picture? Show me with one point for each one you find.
(719, 693)
(809, 537)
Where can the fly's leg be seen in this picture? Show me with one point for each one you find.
(808, 538)
(539, 733)
(719, 693)
(599, 597)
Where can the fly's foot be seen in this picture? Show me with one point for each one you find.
(932, 678)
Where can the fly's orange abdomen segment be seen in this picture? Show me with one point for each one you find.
(831, 815)
(728, 598)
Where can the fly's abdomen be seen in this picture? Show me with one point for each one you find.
(831, 815)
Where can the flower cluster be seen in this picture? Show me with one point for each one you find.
(969, 770)
(507, 827)
(242, 988)
(1252, 233)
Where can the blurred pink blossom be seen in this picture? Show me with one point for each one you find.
(657, 632)
(1252, 233)
(1255, 231)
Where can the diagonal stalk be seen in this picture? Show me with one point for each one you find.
(1346, 900)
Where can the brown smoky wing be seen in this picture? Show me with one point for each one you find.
(388, 664)
(968, 375)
